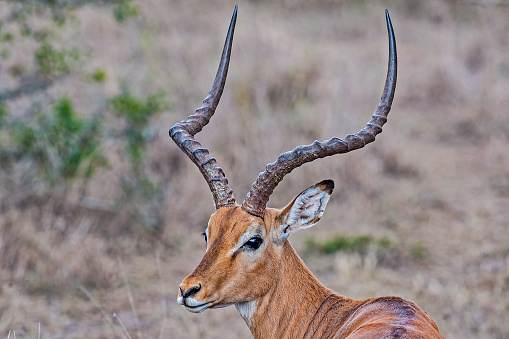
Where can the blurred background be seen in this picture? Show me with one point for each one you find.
(101, 214)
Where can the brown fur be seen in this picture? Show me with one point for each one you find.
(290, 302)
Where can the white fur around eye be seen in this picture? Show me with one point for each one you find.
(306, 210)
(242, 240)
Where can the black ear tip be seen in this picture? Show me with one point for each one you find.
(327, 185)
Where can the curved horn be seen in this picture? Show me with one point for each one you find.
(183, 132)
(257, 198)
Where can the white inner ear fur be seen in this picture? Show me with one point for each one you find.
(307, 209)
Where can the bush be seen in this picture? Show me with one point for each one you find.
(340, 243)
(137, 114)
(60, 146)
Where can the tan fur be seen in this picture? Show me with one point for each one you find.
(289, 302)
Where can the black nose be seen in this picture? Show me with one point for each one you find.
(193, 290)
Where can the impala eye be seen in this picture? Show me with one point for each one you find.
(253, 243)
(205, 236)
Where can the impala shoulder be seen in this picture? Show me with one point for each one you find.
(401, 318)
(397, 306)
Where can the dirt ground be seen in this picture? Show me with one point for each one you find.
(433, 188)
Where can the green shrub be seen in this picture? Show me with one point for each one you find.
(137, 113)
(99, 75)
(386, 251)
(45, 144)
(3, 113)
(143, 192)
(340, 243)
(61, 145)
(52, 62)
(124, 11)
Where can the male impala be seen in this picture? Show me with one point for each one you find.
(250, 264)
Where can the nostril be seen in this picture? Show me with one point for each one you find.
(193, 290)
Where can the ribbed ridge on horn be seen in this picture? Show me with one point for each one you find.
(183, 132)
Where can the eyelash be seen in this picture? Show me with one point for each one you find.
(205, 236)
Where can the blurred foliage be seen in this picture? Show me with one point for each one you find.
(124, 11)
(60, 145)
(39, 24)
(60, 10)
(137, 114)
(99, 75)
(339, 243)
(49, 145)
(52, 62)
(142, 190)
(386, 252)
(419, 251)
(3, 112)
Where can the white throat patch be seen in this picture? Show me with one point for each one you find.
(246, 310)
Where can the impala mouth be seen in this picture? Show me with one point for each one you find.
(192, 305)
(198, 308)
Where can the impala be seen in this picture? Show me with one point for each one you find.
(249, 262)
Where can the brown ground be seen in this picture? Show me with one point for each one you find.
(435, 183)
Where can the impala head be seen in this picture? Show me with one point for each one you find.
(244, 251)
(245, 243)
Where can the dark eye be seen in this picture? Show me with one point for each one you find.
(205, 236)
(253, 243)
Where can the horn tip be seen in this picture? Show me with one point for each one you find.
(388, 19)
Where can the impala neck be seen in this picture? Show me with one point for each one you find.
(283, 311)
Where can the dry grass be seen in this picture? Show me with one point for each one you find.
(436, 181)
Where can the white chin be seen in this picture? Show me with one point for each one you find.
(198, 308)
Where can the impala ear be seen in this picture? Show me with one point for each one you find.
(306, 209)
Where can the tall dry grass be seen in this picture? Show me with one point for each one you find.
(435, 183)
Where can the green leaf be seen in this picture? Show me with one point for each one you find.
(99, 75)
(124, 11)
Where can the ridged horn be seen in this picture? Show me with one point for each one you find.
(183, 132)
